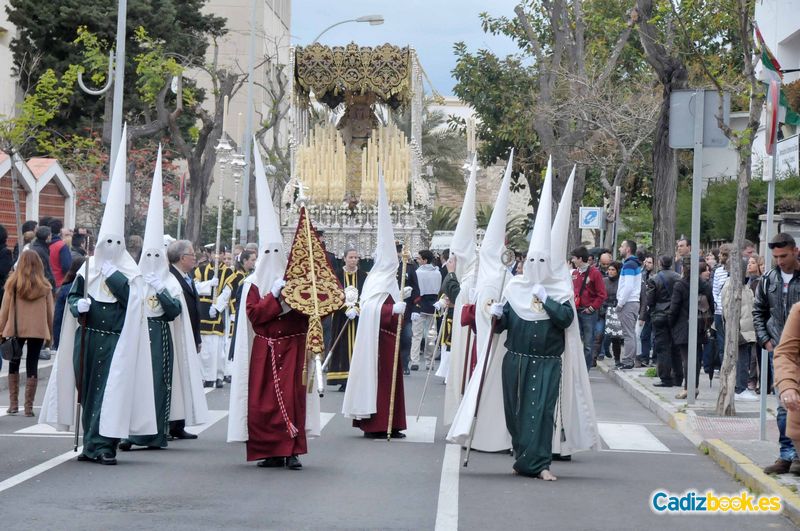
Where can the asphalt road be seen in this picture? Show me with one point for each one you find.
(349, 482)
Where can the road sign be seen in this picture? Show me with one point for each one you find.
(682, 119)
(591, 218)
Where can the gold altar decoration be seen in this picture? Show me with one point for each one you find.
(331, 72)
(311, 285)
(322, 165)
(387, 147)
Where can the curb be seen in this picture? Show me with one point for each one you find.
(732, 461)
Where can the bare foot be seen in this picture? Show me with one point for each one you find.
(546, 475)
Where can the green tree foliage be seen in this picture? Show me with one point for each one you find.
(46, 30)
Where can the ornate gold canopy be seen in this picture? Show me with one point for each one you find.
(332, 73)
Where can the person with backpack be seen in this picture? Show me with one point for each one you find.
(659, 296)
(679, 317)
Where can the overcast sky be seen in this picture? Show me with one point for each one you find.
(430, 26)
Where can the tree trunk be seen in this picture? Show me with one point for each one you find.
(665, 183)
(198, 195)
(725, 401)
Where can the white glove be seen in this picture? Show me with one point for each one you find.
(407, 292)
(414, 317)
(212, 312)
(214, 282)
(438, 305)
(107, 269)
(497, 309)
(154, 281)
(277, 286)
(399, 308)
(351, 313)
(540, 292)
(83, 305)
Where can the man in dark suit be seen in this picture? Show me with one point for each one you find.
(182, 261)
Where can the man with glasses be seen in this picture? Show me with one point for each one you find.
(182, 261)
(778, 290)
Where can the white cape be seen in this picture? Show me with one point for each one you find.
(491, 434)
(361, 394)
(188, 399)
(575, 407)
(452, 393)
(128, 402)
(240, 380)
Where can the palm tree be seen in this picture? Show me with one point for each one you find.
(442, 148)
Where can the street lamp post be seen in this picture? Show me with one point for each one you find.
(374, 20)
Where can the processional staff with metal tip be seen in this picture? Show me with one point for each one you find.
(404, 256)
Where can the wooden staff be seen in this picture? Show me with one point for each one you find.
(81, 351)
(405, 256)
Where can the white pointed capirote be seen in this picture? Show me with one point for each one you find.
(490, 433)
(559, 241)
(462, 246)
(271, 264)
(361, 394)
(537, 268)
(154, 260)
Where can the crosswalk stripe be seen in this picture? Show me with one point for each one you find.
(620, 436)
(418, 432)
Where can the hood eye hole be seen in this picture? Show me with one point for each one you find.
(118, 242)
(149, 255)
(110, 241)
(541, 259)
(157, 255)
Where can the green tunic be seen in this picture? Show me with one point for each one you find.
(531, 380)
(162, 355)
(104, 324)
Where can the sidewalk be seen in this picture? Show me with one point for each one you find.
(733, 442)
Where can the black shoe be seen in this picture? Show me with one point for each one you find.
(559, 457)
(375, 434)
(342, 388)
(406, 372)
(106, 459)
(219, 383)
(84, 457)
(398, 434)
(414, 367)
(183, 434)
(125, 446)
(293, 463)
(208, 384)
(226, 379)
(625, 366)
(272, 462)
(662, 384)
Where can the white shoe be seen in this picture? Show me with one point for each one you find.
(747, 396)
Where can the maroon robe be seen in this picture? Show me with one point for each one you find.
(379, 421)
(276, 411)
(468, 319)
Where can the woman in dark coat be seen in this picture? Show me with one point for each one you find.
(611, 282)
(679, 319)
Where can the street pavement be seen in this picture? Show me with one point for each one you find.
(349, 482)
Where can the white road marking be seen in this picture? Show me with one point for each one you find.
(13, 481)
(630, 422)
(619, 436)
(447, 507)
(215, 416)
(42, 429)
(417, 432)
(325, 418)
